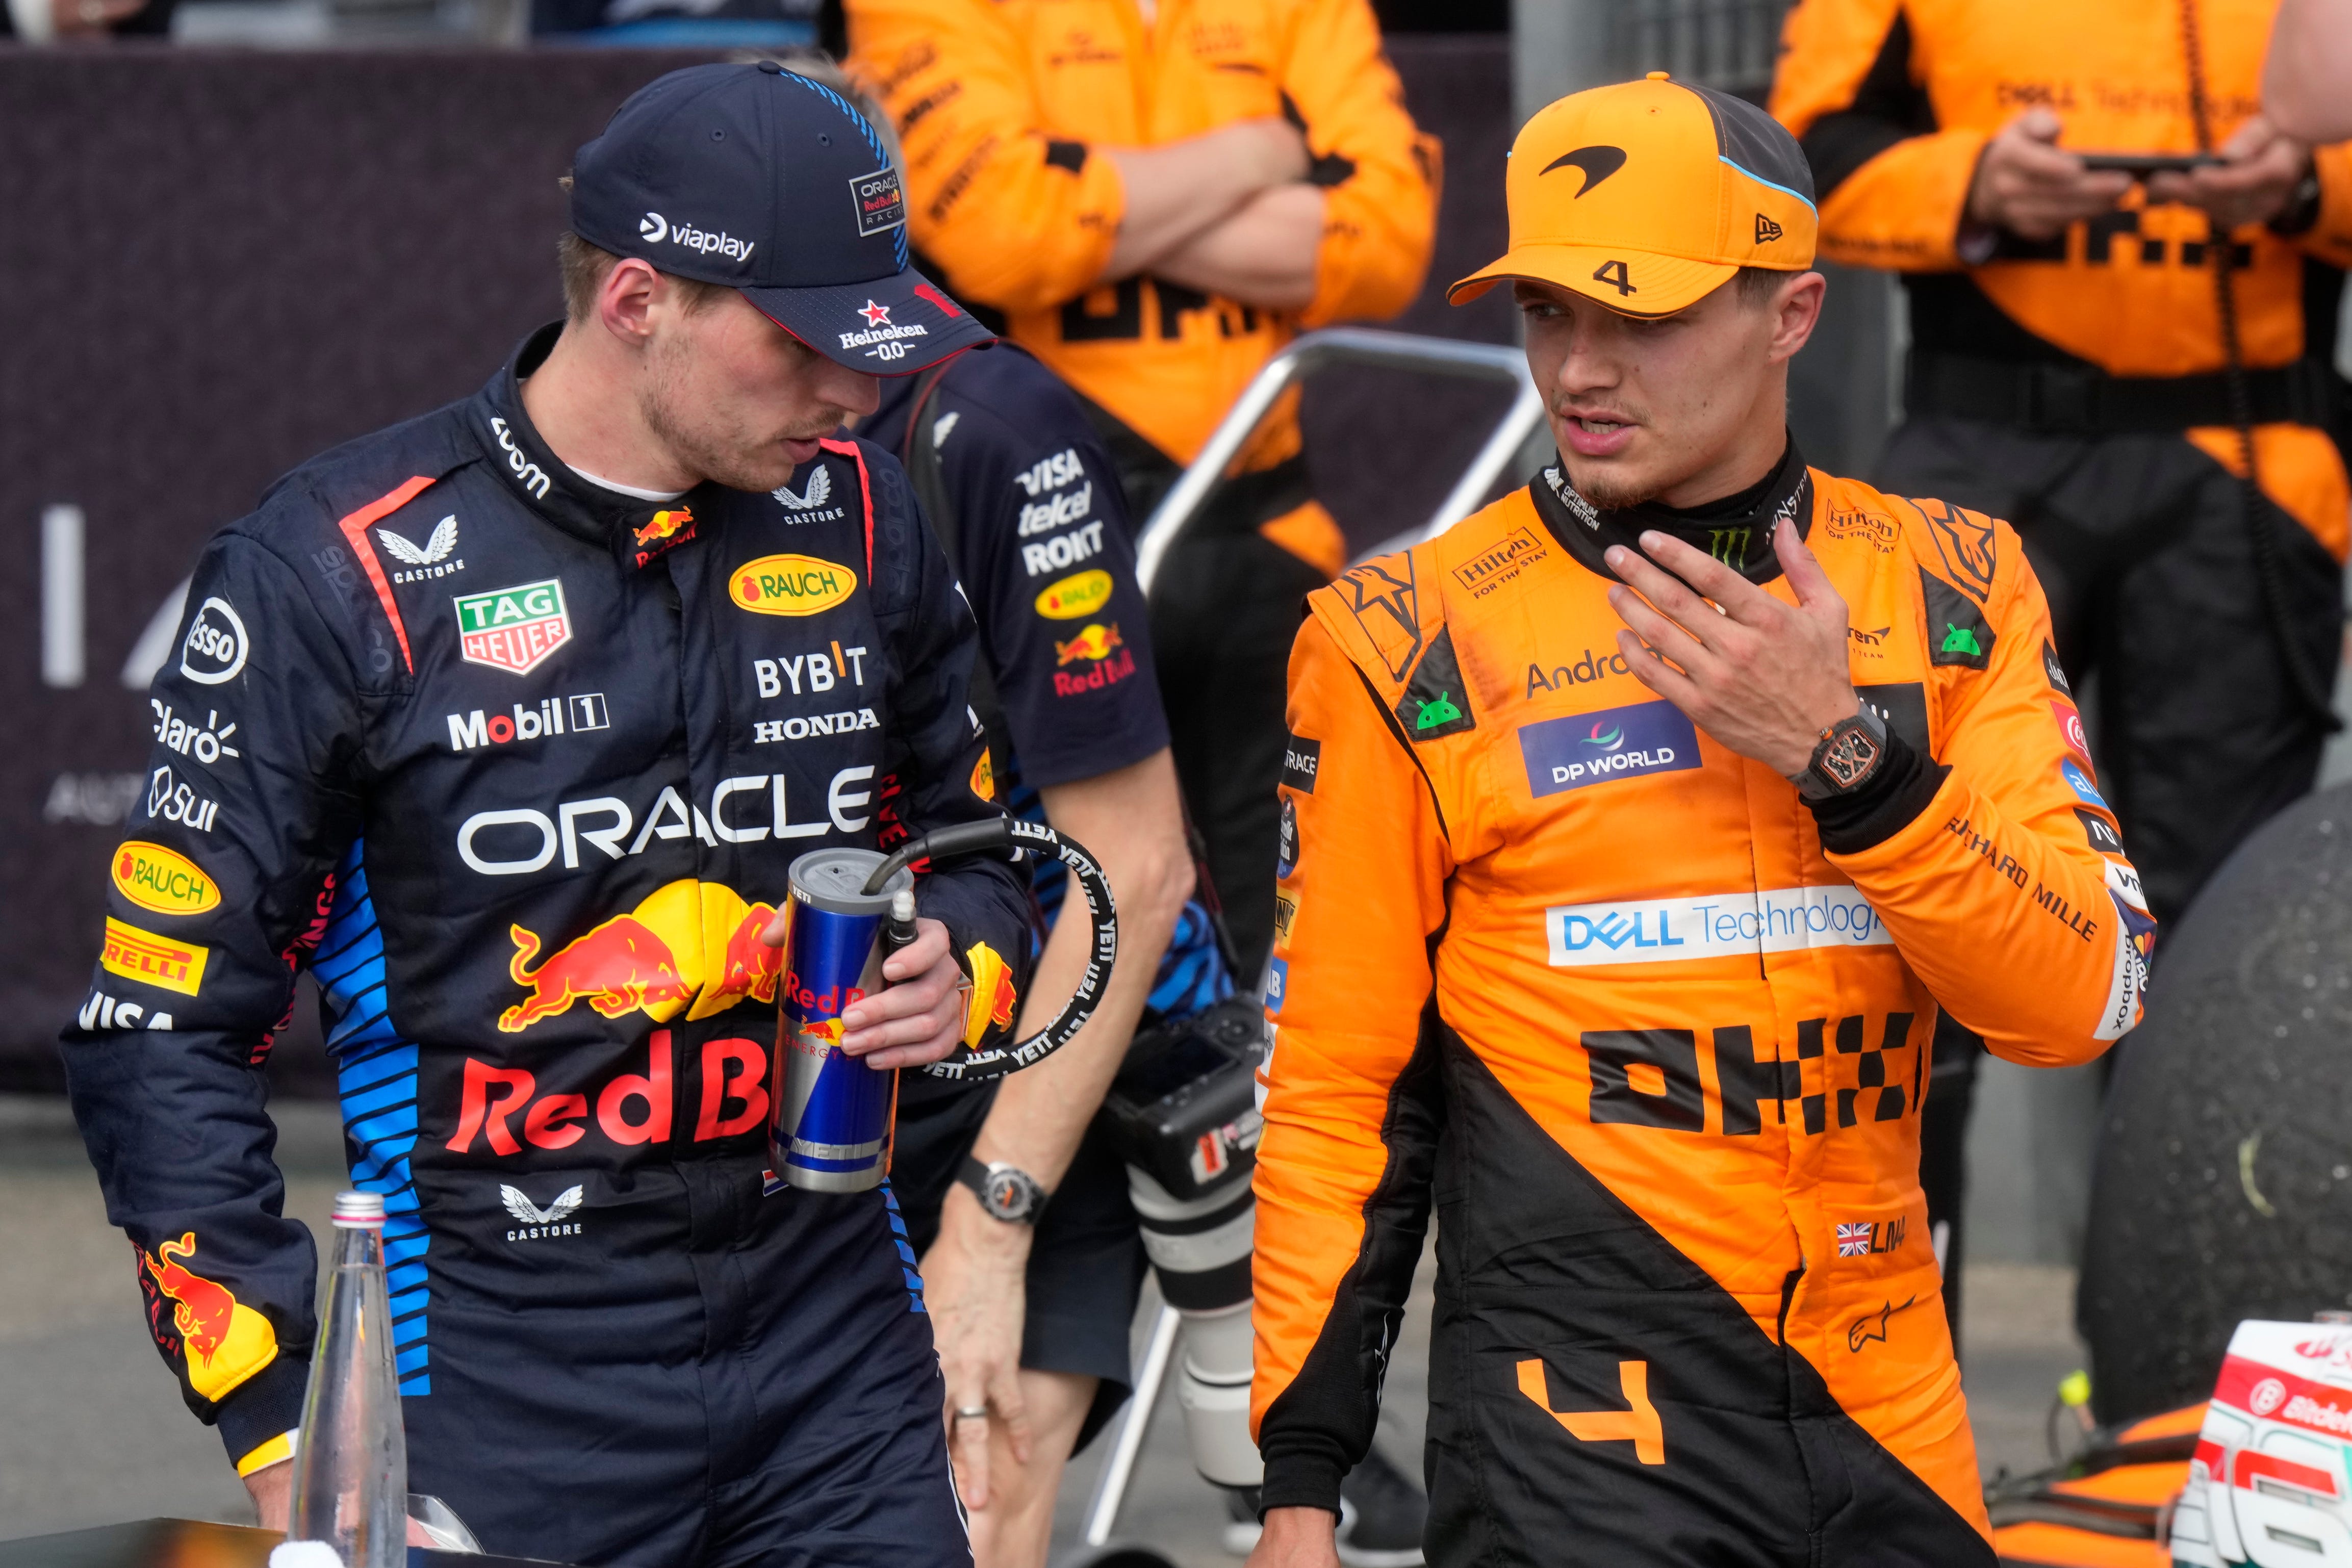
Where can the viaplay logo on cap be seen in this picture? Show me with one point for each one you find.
(654, 228)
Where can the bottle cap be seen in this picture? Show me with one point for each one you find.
(358, 1209)
(902, 905)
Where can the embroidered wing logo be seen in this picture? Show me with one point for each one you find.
(434, 550)
(820, 491)
(530, 1213)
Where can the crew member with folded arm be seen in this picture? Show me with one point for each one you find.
(1158, 198)
(2149, 406)
(1655, 812)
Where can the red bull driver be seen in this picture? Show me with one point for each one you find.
(507, 722)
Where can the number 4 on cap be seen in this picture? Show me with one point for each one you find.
(1613, 274)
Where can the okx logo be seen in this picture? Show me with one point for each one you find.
(1615, 743)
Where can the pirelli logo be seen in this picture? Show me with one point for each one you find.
(154, 960)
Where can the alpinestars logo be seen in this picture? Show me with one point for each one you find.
(820, 491)
(654, 228)
(539, 1223)
(428, 560)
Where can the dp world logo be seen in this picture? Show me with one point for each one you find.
(1615, 743)
(653, 228)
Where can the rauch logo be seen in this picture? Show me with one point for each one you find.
(1615, 743)
(789, 585)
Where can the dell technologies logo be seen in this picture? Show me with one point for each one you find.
(654, 228)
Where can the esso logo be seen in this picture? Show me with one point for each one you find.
(215, 648)
(2267, 1397)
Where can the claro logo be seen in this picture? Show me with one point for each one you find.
(501, 1108)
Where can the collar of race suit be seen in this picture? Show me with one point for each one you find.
(636, 530)
(1735, 529)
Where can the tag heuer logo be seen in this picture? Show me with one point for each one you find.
(513, 628)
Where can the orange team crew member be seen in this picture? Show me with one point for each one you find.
(1652, 813)
(1158, 197)
(2071, 370)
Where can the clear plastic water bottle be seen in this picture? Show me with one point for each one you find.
(351, 1463)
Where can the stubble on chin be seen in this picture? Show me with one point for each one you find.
(736, 460)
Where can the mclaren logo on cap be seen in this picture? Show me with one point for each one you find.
(1596, 163)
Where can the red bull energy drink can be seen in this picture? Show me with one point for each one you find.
(832, 1127)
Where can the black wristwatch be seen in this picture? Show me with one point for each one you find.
(1849, 753)
(1005, 1192)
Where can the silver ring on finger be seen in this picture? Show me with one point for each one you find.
(971, 1413)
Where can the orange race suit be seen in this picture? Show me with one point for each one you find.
(1652, 1037)
(1001, 107)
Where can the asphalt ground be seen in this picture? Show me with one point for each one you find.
(92, 1431)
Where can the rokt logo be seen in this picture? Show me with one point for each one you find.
(1063, 550)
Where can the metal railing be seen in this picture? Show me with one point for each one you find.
(1353, 346)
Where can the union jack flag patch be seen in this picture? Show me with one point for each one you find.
(1853, 1241)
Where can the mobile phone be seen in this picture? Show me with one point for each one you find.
(2140, 165)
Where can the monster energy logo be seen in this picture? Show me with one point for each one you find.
(1728, 546)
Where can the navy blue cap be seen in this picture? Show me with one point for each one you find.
(759, 179)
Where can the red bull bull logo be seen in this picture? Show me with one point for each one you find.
(1094, 642)
(994, 996)
(1099, 646)
(223, 1341)
(655, 959)
(664, 525)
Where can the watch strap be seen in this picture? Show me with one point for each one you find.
(1000, 1186)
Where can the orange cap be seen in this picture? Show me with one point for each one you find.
(1649, 195)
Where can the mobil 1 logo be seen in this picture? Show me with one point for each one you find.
(551, 715)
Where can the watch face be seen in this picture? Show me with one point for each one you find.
(1848, 756)
(1008, 1194)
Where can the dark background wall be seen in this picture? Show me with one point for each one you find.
(214, 265)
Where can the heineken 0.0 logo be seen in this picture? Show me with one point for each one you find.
(513, 628)
(789, 584)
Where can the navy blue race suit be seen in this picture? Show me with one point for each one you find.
(1043, 541)
(516, 765)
